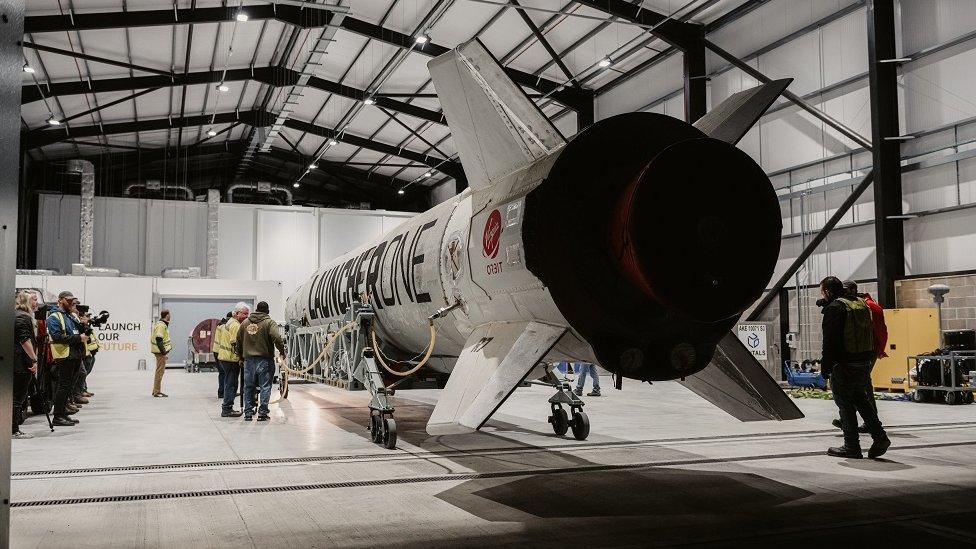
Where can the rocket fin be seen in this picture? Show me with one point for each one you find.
(738, 384)
(496, 128)
(732, 118)
(495, 359)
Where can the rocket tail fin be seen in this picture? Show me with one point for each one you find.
(734, 117)
(496, 128)
(496, 358)
(735, 382)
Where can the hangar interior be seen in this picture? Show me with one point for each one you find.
(441, 203)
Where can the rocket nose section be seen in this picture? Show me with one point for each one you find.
(698, 230)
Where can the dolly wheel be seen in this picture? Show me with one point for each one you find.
(560, 421)
(950, 397)
(917, 396)
(580, 425)
(967, 397)
(389, 433)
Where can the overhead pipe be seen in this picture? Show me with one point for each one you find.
(258, 187)
(87, 233)
(187, 190)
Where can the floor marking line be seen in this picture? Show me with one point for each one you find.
(440, 478)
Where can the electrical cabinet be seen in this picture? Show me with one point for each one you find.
(910, 332)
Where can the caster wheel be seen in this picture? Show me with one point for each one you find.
(950, 398)
(560, 421)
(968, 397)
(375, 429)
(389, 433)
(917, 396)
(580, 425)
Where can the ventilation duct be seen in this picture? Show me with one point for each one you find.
(181, 272)
(260, 187)
(87, 172)
(155, 185)
(213, 219)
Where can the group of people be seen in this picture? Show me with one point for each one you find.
(242, 337)
(854, 338)
(73, 346)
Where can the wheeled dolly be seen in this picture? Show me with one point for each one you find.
(561, 420)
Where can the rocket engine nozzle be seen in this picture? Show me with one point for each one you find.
(694, 229)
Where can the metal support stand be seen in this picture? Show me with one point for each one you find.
(561, 421)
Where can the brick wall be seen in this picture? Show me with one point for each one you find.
(959, 309)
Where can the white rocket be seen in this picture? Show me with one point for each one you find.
(636, 245)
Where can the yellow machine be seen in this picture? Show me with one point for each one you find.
(910, 332)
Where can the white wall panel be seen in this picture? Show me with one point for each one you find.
(235, 241)
(930, 188)
(926, 23)
(59, 223)
(939, 90)
(287, 246)
(120, 234)
(941, 243)
(340, 233)
(176, 235)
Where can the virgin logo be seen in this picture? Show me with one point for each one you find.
(493, 232)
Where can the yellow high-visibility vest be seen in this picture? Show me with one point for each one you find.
(93, 341)
(160, 329)
(216, 345)
(227, 341)
(59, 350)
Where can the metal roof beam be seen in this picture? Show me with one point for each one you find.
(312, 16)
(678, 33)
(271, 76)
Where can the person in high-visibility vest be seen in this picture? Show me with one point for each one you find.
(68, 348)
(160, 345)
(89, 362)
(215, 348)
(231, 360)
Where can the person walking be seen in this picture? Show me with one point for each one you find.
(68, 349)
(880, 335)
(848, 353)
(25, 357)
(160, 345)
(256, 341)
(582, 370)
(230, 359)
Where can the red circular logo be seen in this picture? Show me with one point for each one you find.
(493, 232)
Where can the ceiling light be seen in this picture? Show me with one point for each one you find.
(313, 166)
(242, 17)
(53, 121)
(422, 39)
(369, 101)
(29, 69)
(296, 185)
(401, 191)
(223, 88)
(428, 174)
(333, 142)
(211, 133)
(605, 62)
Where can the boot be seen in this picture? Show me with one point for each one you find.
(845, 452)
(231, 413)
(593, 393)
(80, 400)
(879, 447)
(62, 421)
(578, 391)
(87, 394)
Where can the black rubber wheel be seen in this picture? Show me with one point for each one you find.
(580, 425)
(389, 433)
(560, 421)
(968, 397)
(950, 397)
(917, 396)
(375, 428)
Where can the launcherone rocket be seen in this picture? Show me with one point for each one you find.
(635, 245)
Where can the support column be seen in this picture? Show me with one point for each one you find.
(213, 220)
(695, 79)
(886, 151)
(11, 69)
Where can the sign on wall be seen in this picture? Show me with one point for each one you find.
(754, 337)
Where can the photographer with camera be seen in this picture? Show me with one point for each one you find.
(68, 349)
(89, 323)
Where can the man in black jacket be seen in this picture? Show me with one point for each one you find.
(848, 354)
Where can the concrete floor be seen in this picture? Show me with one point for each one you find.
(661, 467)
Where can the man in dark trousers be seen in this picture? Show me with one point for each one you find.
(848, 354)
(257, 339)
(68, 349)
(880, 334)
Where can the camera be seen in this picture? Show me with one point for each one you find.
(96, 321)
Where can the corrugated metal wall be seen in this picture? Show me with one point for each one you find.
(823, 44)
